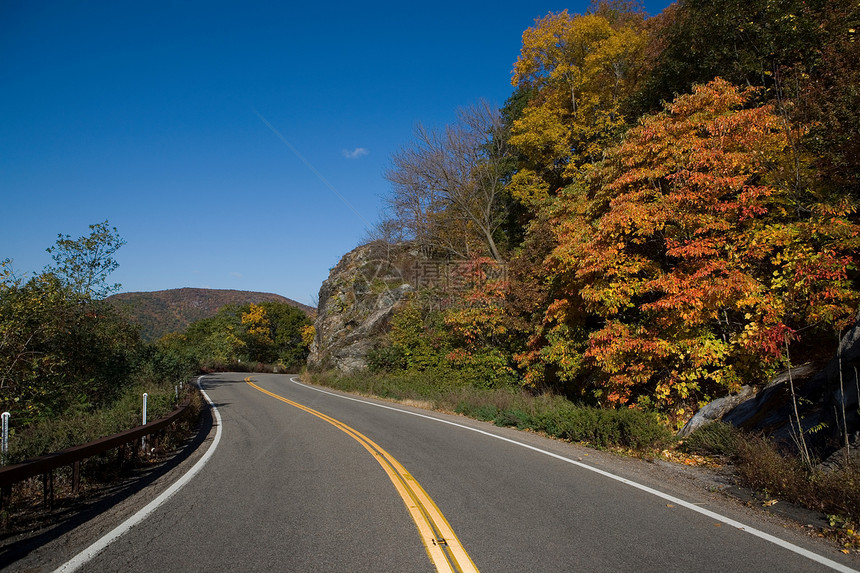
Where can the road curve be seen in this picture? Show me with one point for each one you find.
(288, 490)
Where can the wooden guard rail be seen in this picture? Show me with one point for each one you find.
(45, 465)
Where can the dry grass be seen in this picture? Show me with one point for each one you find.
(764, 468)
(761, 466)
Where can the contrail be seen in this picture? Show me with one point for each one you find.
(312, 168)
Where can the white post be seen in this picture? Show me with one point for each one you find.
(143, 439)
(4, 445)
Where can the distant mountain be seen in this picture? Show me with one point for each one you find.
(164, 311)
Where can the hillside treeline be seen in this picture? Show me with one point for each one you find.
(672, 201)
(271, 333)
(173, 310)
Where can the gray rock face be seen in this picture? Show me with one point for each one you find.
(844, 456)
(715, 410)
(820, 401)
(356, 303)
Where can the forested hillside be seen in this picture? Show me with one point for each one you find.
(670, 203)
(162, 312)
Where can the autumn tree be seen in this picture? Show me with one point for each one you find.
(691, 256)
(479, 328)
(275, 333)
(822, 92)
(258, 333)
(269, 332)
(578, 70)
(803, 53)
(745, 42)
(447, 186)
(217, 339)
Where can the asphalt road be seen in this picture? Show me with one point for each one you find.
(288, 491)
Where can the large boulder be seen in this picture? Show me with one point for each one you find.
(715, 410)
(356, 303)
(821, 398)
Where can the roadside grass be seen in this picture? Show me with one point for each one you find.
(552, 415)
(761, 466)
(80, 425)
(27, 511)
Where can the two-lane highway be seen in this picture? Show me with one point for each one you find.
(294, 486)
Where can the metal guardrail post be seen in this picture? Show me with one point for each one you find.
(48, 488)
(143, 438)
(76, 477)
(5, 499)
(4, 442)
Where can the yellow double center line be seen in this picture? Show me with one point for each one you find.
(442, 545)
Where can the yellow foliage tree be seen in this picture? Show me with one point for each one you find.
(580, 69)
(309, 332)
(257, 324)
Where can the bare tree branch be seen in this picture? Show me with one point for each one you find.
(447, 184)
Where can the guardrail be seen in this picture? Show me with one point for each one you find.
(45, 465)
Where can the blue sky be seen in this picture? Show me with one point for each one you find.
(149, 115)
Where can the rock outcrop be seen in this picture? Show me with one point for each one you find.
(716, 410)
(356, 303)
(821, 399)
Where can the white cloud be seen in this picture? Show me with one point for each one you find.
(237, 275)
(355, 153)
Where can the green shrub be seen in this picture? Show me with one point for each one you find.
(639, 429)
(604, 428)
(579, 424)
(516, 418)
(713, 439)
(386, 359)
(485, 412)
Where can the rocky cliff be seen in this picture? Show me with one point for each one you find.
(356, 303)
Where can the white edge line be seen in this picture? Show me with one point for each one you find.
(716, 516)
(97, 547)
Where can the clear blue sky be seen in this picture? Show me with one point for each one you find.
(145, 114)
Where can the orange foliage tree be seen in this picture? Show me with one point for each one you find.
(690, 256)
(480, 327)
